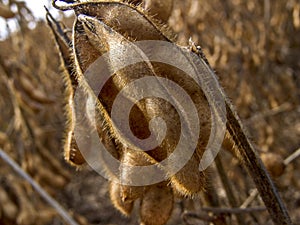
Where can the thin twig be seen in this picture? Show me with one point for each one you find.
(250, 199)
(60, 210)
(199, 216)
(234, 210)
(292, 157)
(211, 199)
(217, 212)
(270, 112)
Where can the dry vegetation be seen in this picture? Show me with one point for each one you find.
(254, 47)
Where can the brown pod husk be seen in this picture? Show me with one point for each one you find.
(84, 55)
(160, 9)
(71, 152)
(274, 163)
(131, 158)
(141, 25)
(101, 33)
(135, 2)
(156, 205)
(124, 207)
(5, 12)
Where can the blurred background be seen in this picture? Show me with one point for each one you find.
(254, 48)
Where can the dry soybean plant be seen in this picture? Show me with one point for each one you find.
(243, 40)
(101, 27)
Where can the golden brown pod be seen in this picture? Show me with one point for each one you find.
(105, 38)
(124, 207)
(160, 9)
(157, 205)
(5, 12)
(274, 163)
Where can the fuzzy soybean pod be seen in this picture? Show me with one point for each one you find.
(156, 205)
(104, 38)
